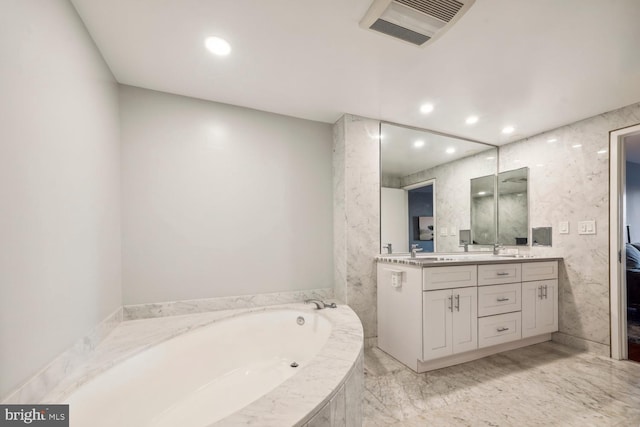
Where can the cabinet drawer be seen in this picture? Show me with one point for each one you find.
(459, 276)
(498, 299)
(496, 274)
(539, 271)
(499, 329)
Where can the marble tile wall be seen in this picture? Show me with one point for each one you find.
(453, 198)
(512, 223)
(356, 165)
(569, 181)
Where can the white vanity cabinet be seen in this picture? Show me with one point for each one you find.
(432, 316)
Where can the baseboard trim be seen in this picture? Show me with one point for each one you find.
(457, 359)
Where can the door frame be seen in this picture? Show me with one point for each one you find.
(421, 184)
(617, 262)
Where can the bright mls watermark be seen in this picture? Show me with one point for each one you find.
(36, 415)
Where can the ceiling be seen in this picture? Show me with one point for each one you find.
(531, 64)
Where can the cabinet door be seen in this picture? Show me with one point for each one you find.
(539, 307)
(465, 319)
(437, 307)
(547, 308)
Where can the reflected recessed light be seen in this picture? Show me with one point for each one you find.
(602, 151)
(540, 165)
(508, 129)
(550, 140)
(418, 143)
(481, 193)
(471, 120)
(490, 158)
(426, 108)
(576, 146)
(217, 46)
(450, 150)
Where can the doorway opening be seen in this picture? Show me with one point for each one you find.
(631, 204)
(625, 243)
(407, 217)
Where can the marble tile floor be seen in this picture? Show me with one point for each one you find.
(547, 384)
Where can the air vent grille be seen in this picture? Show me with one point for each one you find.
(444, 10)
(394, 30)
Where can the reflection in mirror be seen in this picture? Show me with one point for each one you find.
(483, 210)
(513, 207)
(435, 170)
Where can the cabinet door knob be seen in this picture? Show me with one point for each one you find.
(501, 299)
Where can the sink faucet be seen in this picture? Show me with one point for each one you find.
(388, 248)
(415, 249)
(496, 248)
(320, 304)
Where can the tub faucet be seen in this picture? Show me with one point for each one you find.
(320, 304)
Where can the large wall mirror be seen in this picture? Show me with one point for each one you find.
(513, 207)
(425, 193)
(483, 210)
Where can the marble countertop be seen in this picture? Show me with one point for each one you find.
(460, 258)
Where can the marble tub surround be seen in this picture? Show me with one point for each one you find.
(175, 308)
(541, 385)
(336, 369)
(65, 364)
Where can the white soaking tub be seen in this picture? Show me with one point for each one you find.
(233, 371)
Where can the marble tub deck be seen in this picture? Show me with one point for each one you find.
(546, 384)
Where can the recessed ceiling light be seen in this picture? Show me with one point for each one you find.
(508, 129)
(471, 120)
(418, 144)
(550, 140)
(490, 158)
(540, 165)
(576, 146)
(217, 46)
(602, 151)
(450, 150)
(426, 108)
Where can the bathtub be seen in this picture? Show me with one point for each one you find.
(287, 366)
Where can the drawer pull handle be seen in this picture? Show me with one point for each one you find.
(502, 273)
(502, 329)
(503, 299)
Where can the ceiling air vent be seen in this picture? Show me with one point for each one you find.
(414, 21)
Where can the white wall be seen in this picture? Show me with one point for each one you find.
(59, 186)
(221, 200)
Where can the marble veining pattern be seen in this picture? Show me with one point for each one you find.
(66, 363)
(175, 308)
(356, 164)
(569, 181)
(547, 384)
(453, 193)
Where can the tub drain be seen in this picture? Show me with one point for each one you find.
(294, 365)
